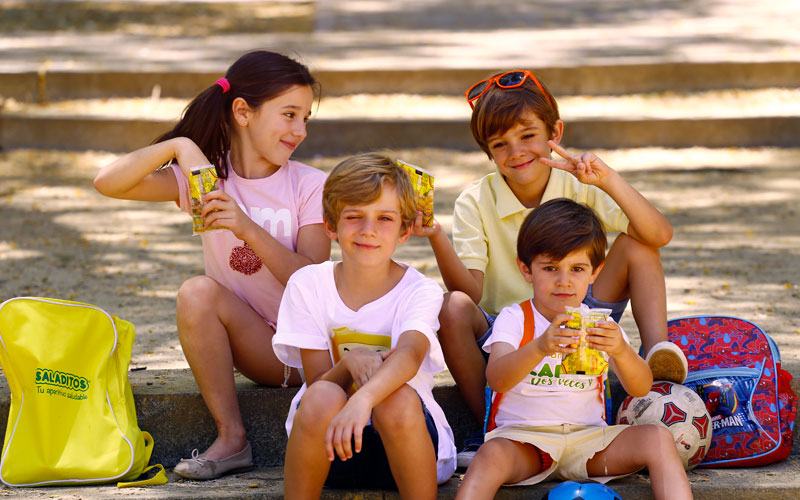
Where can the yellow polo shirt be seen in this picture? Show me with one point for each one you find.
(486, 220)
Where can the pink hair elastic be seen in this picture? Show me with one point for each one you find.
(224, 83)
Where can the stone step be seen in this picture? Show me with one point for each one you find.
(555, 34)
(170, 407)
(48, 83)
(345, 136)
(157, 17)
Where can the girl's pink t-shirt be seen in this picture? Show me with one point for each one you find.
(281, 203)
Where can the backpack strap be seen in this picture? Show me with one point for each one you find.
(159, 476)
(528, 330)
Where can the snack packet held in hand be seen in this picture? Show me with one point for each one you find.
(203, 180)
(586, 361)
(423, 187)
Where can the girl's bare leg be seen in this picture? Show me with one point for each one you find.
(218, 331)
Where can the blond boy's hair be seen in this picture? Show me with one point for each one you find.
(360, 179)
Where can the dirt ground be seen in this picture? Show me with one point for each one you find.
(736, 249)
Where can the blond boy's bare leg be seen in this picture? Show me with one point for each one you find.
(400, 422)
(499, 461)
(633, 270)
(306, 465)
(461, 324)
(626, 454)
(218, 330)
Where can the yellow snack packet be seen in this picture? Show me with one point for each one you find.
(203, 180)
(423, 187)
(586, 361)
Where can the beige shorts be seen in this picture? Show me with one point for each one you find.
(570, 447)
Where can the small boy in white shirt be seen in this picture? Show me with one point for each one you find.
(551, 424)
(364, 332)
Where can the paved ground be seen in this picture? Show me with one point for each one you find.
(736, 215)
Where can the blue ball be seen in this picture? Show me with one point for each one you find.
(570, 490)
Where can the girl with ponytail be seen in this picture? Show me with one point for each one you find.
(267, 217)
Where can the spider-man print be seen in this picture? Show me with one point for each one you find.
(756, 430)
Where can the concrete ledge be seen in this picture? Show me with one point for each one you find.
(170, 407)
(346, 136)
(618, 79)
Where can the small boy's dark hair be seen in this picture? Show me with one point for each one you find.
(499, 109)
(359, 180)
(559, 227)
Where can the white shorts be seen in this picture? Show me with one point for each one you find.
(570, 447)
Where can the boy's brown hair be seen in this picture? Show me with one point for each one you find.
(500, 109)
(559, 227)
(359, 180)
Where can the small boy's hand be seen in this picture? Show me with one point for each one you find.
(556, 339)
(362, 363)
(347, 427)
(606, 336)
(587, 167)
(423, 231)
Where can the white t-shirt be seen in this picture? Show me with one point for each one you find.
(313, 316)
(281, 203)
(546, 396)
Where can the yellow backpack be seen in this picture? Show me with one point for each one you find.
(72, 418)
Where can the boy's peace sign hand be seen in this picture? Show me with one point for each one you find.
(587, 166)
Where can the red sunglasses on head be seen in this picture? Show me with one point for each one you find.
(509, 80)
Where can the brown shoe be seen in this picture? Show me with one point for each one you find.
(203, 468)
(667, 362)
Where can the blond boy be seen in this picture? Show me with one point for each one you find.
(364, 332)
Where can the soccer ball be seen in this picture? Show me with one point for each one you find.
(570, 490)
(680, 410)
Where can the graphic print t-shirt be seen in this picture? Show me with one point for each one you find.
(546, 396)
(281, 203)
(313, 316)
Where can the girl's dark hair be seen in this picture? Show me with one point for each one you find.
(559, 227)
(256, 77)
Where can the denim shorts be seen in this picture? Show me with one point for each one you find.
(369, 469)
(617, 308)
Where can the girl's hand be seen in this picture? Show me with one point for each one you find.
(348, 425)
(587, 167)
(556, 339)
(222, 212)
(425, 231)
(362, 363)
(606, 336)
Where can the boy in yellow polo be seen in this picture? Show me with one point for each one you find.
(515, 121)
